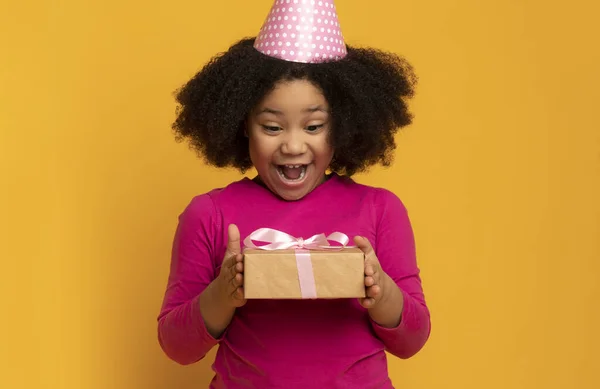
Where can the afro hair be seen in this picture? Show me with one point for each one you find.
(367, 92)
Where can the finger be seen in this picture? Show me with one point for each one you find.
(228, 264)
(374, 292)
(234, 260)
(239, 259)
(369, 269)
(369, 281)
(239, 267)
(376, 272)
(239, 294)
(234, 265)
(236, 281)
(233, 240)
(363, 244)
(231, 267)
(367, 302)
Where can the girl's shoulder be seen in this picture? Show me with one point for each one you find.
(205, 211)
(232, 192)
(376, 194)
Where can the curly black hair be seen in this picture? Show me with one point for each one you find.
(366, 90)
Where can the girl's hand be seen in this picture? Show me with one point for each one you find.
(376, 280)
(231, 276)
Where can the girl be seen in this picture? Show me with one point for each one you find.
(307, 112)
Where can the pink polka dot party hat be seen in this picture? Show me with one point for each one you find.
(305, 31)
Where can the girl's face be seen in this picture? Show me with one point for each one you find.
(288, 133)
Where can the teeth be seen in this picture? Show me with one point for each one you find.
(302, 173)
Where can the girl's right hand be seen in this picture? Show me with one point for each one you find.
(231, 276)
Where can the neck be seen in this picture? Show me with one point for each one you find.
(260, 182)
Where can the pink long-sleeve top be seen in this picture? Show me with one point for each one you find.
(293, 344)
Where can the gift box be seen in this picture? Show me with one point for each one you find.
(286, 267)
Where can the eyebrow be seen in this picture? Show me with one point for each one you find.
(279, 113)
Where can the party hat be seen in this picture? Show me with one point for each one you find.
(305, 31)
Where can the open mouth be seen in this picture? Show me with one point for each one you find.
(292, 173)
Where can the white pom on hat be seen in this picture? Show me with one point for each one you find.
(305, 31)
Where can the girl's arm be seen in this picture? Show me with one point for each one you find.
(402, 320)
(182, 332)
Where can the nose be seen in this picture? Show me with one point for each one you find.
(294, 143)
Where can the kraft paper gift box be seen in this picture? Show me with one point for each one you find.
(292, 268)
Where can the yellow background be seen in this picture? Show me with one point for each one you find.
(500, 171)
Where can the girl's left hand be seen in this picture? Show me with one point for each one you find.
(376, 279)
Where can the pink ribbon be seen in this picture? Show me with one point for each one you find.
(278, 240)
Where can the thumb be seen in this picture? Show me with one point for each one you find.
(233, 240)
(364, 244)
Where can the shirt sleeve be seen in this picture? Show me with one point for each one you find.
(395, 249)
(182, 333)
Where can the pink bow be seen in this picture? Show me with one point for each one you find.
(278, 240)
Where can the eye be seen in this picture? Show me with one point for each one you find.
(272, 128)
(314, 128)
